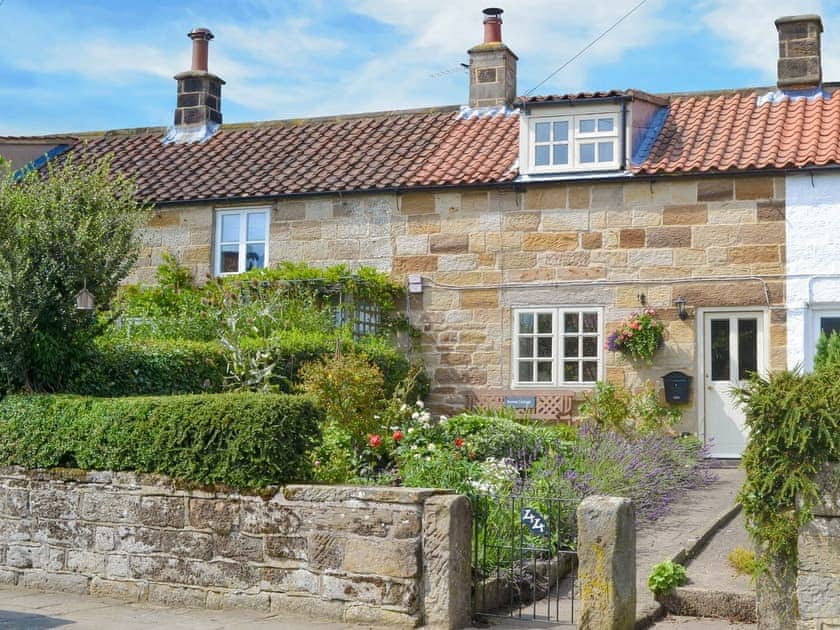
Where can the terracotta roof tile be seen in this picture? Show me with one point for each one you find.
(398, 150)
(733, 131)
(699, 133)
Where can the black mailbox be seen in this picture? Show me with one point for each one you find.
(677, 387)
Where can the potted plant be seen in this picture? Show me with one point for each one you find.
(638, 338)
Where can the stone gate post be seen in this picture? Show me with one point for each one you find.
(607, 563)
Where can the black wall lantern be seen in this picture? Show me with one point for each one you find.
(681, 312)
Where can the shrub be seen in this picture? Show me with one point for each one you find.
(125, 367)
(614, 408)
(118, 366)
(77, 226)
(243, 440)
(349, 389)
(666, 576)
(794, 427)
(828, 352)
(333, 460)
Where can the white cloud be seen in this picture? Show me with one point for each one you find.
(748, 29)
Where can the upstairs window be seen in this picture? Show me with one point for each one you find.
(241, 240)
(581, 142)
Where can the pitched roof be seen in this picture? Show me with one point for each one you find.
(743, 131)
(694, 133)
(359, 153)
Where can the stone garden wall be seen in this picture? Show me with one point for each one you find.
(389, 556)
(818, 579)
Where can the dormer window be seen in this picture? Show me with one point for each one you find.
(579, 142)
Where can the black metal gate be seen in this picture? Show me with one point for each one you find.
(525, 558)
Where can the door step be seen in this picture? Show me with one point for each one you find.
(698, 602)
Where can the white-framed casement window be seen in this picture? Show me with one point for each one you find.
(557, 346)
(580, 142)
(241, 240)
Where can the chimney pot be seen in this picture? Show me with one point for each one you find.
(492, 66)
(198, 112)
(201, 38)
(492, 25)
(800, 57)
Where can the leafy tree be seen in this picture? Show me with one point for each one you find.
(71, 226)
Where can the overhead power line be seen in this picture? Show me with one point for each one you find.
(588, 46)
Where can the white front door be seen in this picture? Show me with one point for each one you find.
(734, 348)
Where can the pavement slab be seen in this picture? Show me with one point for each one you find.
(22, 609)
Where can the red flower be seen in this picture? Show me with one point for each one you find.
(459, 442)
(374, 440)
(398, 435)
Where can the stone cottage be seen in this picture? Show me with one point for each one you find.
(527, 229)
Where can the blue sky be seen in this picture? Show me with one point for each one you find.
(85, 65)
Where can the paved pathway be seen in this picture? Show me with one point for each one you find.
(689, 520)
(693, 623)
(22, 609)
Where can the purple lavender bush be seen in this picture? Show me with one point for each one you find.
(652, 469)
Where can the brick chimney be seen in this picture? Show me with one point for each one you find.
(492, 66)
(199, 111)
(800, 66)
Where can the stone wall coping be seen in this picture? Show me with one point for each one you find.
(378, 494)
(147, 483)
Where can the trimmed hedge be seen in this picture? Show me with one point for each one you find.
(132, 367)
(242, 440)
(120, 367)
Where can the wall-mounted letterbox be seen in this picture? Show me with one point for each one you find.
(677, 387)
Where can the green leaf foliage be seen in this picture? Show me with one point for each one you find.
(241, 440)
(128, 367)
(117, 366)
(794, 427)
(73, 226)
(828, 351)
(666, 576)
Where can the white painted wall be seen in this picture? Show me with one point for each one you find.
(813, 251)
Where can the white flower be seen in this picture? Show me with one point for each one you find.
(443, 419)
(420, 403)
(432, 446)
(413, 447)
(410, 430)
(415, 416)
(404, 407)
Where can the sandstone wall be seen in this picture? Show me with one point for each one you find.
(818, 579)
(386, 556)
(482, 253)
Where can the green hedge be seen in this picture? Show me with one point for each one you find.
(121, 367)
(118, 367)
(242, 440)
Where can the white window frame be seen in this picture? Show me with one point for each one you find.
(243, 233)
(575, 139)
(558, 336)
(815, 328)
